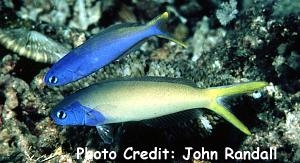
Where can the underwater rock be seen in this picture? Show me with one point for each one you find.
(294, 61)
(286, 7)
(59, 15)
(293, 126)
(205, 39)
(126, 14)
(86, 13)
(8, 63)
(181, 32)
(227, 12)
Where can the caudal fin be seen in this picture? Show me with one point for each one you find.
(217, 93)
(160, 24)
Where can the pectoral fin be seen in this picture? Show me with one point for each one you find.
(106, 133)
(110, 133)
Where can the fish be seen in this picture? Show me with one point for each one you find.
(144, 98)
(33, 45)
(105, 47)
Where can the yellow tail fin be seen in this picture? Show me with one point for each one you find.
(217, 93)
(160, 23)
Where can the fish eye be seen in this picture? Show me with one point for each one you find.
(61, 114)
(53, 80)
(256, 94)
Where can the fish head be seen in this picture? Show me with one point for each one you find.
(76, 114)
(58, 75)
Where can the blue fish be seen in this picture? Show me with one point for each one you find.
(104, 48)
(137, 99)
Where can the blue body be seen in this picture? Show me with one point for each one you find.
(95, 53)
(102, 49)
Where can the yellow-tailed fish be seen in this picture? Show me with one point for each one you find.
(104, 48)
(137, 99)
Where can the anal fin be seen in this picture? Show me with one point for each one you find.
(173, 119)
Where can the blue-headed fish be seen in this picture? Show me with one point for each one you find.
(136, 99)
(104, 48)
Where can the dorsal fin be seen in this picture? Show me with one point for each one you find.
(119, 26)
(157, 79)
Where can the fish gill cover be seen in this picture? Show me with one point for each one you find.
(229, 42)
